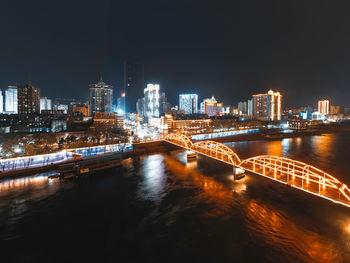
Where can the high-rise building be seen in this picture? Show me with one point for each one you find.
(323, 107)
(242, 108)
(11, 97)
(267, 107)
(28, 99)
(101, 98)
(133, 84)
(121, 104)
(153, 104)
(1, 102)
(188, 103)
(45, 104)
(250, 108)
(211, 107)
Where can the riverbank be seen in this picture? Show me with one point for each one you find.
(138, 149)
(280, 134)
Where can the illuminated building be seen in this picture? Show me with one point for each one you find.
(101, 97)
(28, 99)
(45, 104)
(153, 104)
(323, 107)
(82, 109)
(337, 109)
(11, 105)
(211, 107)
(250, 108)
(1, 102)
(188, 103)
(242, 108)
(121, 104)
(133, 84)
(267, 107)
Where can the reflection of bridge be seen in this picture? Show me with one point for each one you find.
(291, 172)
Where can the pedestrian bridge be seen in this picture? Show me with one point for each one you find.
(284, 170)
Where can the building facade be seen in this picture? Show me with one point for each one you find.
(153, 104)
(267, 107)
(211, 107)
(45, 104)
(188, 103)
(101, 98)
(1, 102)
(28, 99)
(11, 97)
(133, 84)
(323, 107)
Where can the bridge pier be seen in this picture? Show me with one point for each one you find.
(191, 155)
(238, 173)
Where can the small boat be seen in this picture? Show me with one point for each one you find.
(191, 155)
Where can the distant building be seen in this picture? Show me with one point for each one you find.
(337, 109)
(250, 107)
(211, 107)
(153, 104)
(323, 107)
(267, 107)
(28, 99)
(11, 97)
(242, 108)
(188, 103)
(45, 104)
(1, 102)
(101, 98)
(133, 84)
(79, 109)
(121, 104)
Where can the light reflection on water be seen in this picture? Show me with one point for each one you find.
(180, 199)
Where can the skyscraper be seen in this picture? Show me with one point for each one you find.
(188, 103)
(45, 104)
(323, 107)
(153, 104)
(1, 102)
(267, 107)
(101, 98)
(133, 84)
(11, 97)
(28, 99)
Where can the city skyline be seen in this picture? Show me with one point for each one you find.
(234, 52)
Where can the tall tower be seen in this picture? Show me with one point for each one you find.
(133, 84)
(267, 107)
(101, 98)
(28, 99)
(323, 107)
(11, 100)
(188, 103)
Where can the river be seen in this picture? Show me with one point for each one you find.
(159, 208)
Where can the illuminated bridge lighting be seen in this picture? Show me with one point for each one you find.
(284, 170)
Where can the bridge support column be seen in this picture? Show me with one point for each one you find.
(238, 173)
(191, 155)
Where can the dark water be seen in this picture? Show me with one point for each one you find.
(160, 209)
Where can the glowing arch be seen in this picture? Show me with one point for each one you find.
(217, 151)
(179, 139)
(299, 175)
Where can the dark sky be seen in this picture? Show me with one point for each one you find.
(229, 49)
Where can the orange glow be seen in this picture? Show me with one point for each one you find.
(272, 167)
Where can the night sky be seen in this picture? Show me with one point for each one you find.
(228, 49)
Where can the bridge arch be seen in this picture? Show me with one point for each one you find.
(217, 150)
(299, 175)
(179, 139)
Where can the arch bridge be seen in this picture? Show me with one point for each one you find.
(284, 170)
